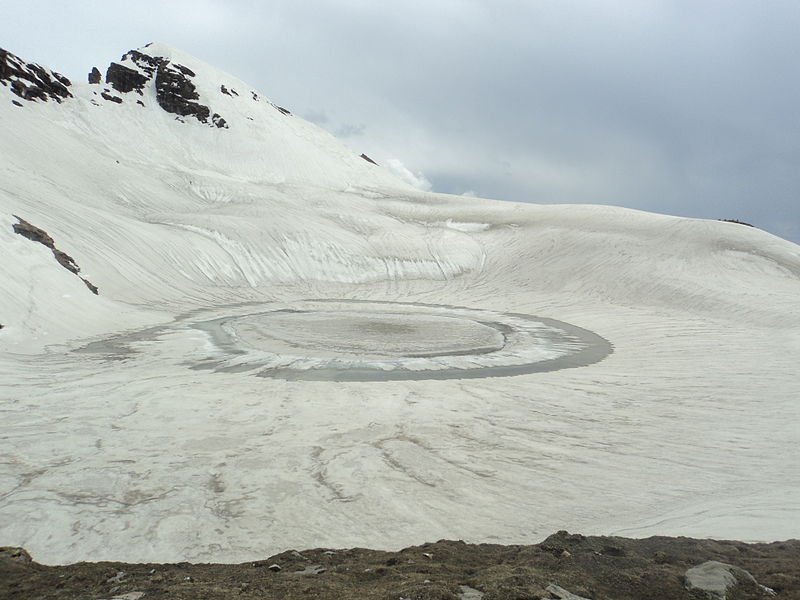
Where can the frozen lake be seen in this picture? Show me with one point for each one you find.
(371, 341)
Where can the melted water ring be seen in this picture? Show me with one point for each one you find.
(346, 340)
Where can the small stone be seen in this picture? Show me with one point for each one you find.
(427, 555)
(566, 554)
(767, 590)
(715, 578)
(560, 592)
(129, 596)
(312, 570)
(117, 578)
(469, 593)
(274, 567)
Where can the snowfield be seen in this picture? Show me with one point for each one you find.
(145, 424)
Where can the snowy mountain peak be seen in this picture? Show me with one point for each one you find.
(161, 106)
(173, 82)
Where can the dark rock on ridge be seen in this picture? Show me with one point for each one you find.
(736, 221)
(30, 81)
(563, 566)
(368, 159)
(35, 234)
(219, 121)
(176, 93)
(108, 96)
(148, 64)
(95, 76)
(125, 79)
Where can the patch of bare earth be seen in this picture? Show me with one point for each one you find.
(562, 566)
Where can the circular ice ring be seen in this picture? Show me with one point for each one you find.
(346, 340)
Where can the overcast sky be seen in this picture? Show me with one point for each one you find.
(687, 107)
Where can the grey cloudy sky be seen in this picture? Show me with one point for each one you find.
(685, 107)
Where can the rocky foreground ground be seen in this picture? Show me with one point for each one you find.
(566, 566)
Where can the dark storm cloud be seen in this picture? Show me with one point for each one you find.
(672, 106)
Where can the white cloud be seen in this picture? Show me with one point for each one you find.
(318, 117)
(418, 180)
(347, 130)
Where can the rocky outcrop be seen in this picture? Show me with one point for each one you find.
(736, 221)
(106, 96)
(219, 121)
(30, 81)
(35, 234)
(368, 159)
(125, 79)
(176, 93)
(175, 90)
(715, 580)
(95, 76)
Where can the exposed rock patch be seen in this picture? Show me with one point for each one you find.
(219, 121)
(564, 566)
(176, 93)
(35, 234)
(175, 90)
(736, 221)
(95, 76)
(107, 96)
(30, 81)
(368, 159)
(716, 580)
(125, 79)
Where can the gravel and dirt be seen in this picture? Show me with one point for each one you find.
(567, 566)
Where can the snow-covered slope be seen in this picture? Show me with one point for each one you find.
(133, 431)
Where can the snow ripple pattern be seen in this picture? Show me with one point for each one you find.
(381, 341)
